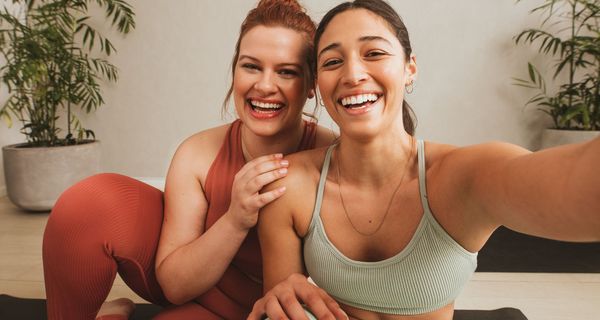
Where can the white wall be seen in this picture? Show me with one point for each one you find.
(174, 74)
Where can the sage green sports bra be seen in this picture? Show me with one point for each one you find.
(426, 275)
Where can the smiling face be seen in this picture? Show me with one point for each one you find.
(269, 85)
(362, 72)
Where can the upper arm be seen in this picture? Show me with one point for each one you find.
(280, 244)
(548, 193)
(185, 202)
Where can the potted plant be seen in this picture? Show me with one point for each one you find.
(51, 74)
(570, 35)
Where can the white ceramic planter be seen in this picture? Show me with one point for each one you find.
(35, 177)
(553, 137)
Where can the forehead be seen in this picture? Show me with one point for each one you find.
(353, 24)
(277, 44)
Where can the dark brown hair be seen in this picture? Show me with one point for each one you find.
(282, 13)
(386, 12)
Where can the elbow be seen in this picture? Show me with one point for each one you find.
(173, 293)
(175, 296)
(170, 288)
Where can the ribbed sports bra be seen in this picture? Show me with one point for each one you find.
(426, 275)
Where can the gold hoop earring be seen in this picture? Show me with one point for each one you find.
(410, 87)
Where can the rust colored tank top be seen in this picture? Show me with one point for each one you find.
(236, 292)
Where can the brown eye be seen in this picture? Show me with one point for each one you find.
(250, 66)
(288, 73)
(374, 54)
(331, 62)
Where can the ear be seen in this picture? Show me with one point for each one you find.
(411, 69)
(311, 93)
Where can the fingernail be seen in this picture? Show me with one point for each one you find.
(282, 189)
(283, 170)
(284, 162)
(278, 155)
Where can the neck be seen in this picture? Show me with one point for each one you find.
(285, 141)
(376, 161)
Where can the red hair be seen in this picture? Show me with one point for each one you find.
(277, 13)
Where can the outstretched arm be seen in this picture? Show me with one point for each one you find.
(553, 193)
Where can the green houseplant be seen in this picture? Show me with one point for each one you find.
(570, 36)
(55, 60)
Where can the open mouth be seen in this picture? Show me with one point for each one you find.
(264, 107)
(358, 101)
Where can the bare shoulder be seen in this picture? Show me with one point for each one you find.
(304, 168)
(474, 157)
(296, 204)
(198, 151)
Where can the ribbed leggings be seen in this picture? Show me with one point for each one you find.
(105, 224)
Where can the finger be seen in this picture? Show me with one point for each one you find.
(263, 199)
(292, 307)
(333, 306)
(258, 182)
(318, 307)
(254, 162)
(258, 310)
(265, 167)
(274, 311)
(321, 304)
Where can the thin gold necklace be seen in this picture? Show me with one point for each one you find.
(387, 210)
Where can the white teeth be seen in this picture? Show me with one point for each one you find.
(264, 105)
(358, 99)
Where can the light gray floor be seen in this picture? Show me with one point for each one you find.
(539, 296)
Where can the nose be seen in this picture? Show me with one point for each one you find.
(265, 84)
(354, 72)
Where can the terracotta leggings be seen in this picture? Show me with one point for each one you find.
(101, 225)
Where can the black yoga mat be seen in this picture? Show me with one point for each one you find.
(24, 309)
(509, 251)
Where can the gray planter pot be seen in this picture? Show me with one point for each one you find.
(35, 177)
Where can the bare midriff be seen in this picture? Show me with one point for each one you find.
(444, 313)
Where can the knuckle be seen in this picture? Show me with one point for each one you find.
(287, 298)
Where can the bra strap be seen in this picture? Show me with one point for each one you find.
(321, 187)
(422, 175)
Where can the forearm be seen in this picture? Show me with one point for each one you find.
(586, 185)
(193, 269)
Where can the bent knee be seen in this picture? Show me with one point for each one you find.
(102, 194)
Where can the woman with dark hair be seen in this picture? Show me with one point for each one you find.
(200, 251)
(389, 226)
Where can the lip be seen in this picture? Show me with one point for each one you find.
(366, 108)
(262, 115)
(263, 100)
(355, 93)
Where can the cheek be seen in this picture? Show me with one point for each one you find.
(295, 90)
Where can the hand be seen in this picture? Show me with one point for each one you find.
(284, 301)
(254, 175)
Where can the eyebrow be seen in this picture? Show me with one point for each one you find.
(296, 65)
(336, 45)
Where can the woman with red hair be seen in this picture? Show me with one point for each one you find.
(199, 253)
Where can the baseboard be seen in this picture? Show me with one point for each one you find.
(157, 182)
